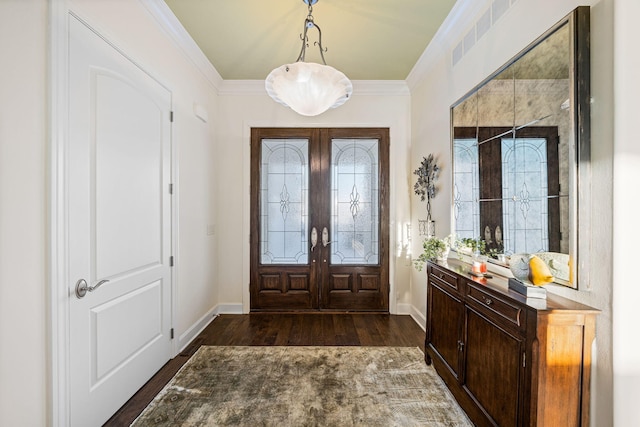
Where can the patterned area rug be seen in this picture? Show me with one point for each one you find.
(305, 386)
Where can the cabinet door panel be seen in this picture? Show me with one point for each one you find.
(445, 314)
(493, 368)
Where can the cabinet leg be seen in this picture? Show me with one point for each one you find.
(427, 358)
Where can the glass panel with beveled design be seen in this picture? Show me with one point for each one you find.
(525, 194)
(284, 195)
(354, 201)
(466, 188)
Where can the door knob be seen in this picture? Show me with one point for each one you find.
(314, 238)
(82, 288)
(325, 237)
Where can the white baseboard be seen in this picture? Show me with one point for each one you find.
(185, 339)
(402, 308)
(414, 313)
(229, 309)
(420, 319)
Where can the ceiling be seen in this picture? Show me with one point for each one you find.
(365, 39)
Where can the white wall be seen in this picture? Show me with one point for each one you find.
(436, 84)
(245, 104)
(23, 314)
(626, 233)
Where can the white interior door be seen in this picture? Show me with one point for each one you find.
(119, 227)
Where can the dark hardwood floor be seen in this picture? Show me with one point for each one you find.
(314, 329)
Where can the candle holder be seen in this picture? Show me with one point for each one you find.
(479, 265)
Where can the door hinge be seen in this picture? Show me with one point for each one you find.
(171, 261)
(524, 360)
(171, 333)
(171, 188)
(171, 116)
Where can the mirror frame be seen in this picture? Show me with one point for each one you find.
(580, 148)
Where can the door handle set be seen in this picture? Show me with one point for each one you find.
(325, 237)
(82, 287)
(314, 238)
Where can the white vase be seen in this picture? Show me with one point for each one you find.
(444, 255)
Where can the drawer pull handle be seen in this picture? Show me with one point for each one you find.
(488, 301)
(441, 276)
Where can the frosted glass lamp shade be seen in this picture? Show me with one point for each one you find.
(308, 88)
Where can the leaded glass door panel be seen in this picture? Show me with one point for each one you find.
(507, 189)
(355, 269)
(319, 220)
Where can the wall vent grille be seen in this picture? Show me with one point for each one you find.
(494, 12)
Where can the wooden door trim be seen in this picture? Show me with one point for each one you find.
(302, 301)
(321, 164)
(382, 135)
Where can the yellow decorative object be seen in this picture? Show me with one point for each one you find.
(559, 264)
(539, 273)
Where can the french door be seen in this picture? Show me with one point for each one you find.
(319, 219)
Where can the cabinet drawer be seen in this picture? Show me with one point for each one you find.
(443, 277)
(504, 309)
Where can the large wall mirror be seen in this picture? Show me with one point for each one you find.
(520, 150)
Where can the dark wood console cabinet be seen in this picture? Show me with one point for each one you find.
(508, 360)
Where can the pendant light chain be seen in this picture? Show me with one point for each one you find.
(309, 23)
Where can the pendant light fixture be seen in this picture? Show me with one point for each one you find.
(308, 88)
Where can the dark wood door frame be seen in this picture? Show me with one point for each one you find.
(272, 287)
(319, 285)
(490, 174)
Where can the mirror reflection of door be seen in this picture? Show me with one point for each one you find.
(546, 85)
(319, 219)
(507, 188)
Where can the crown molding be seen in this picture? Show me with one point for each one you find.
(360, 87)
(381, 87)
(170, 25)
(461, 18)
